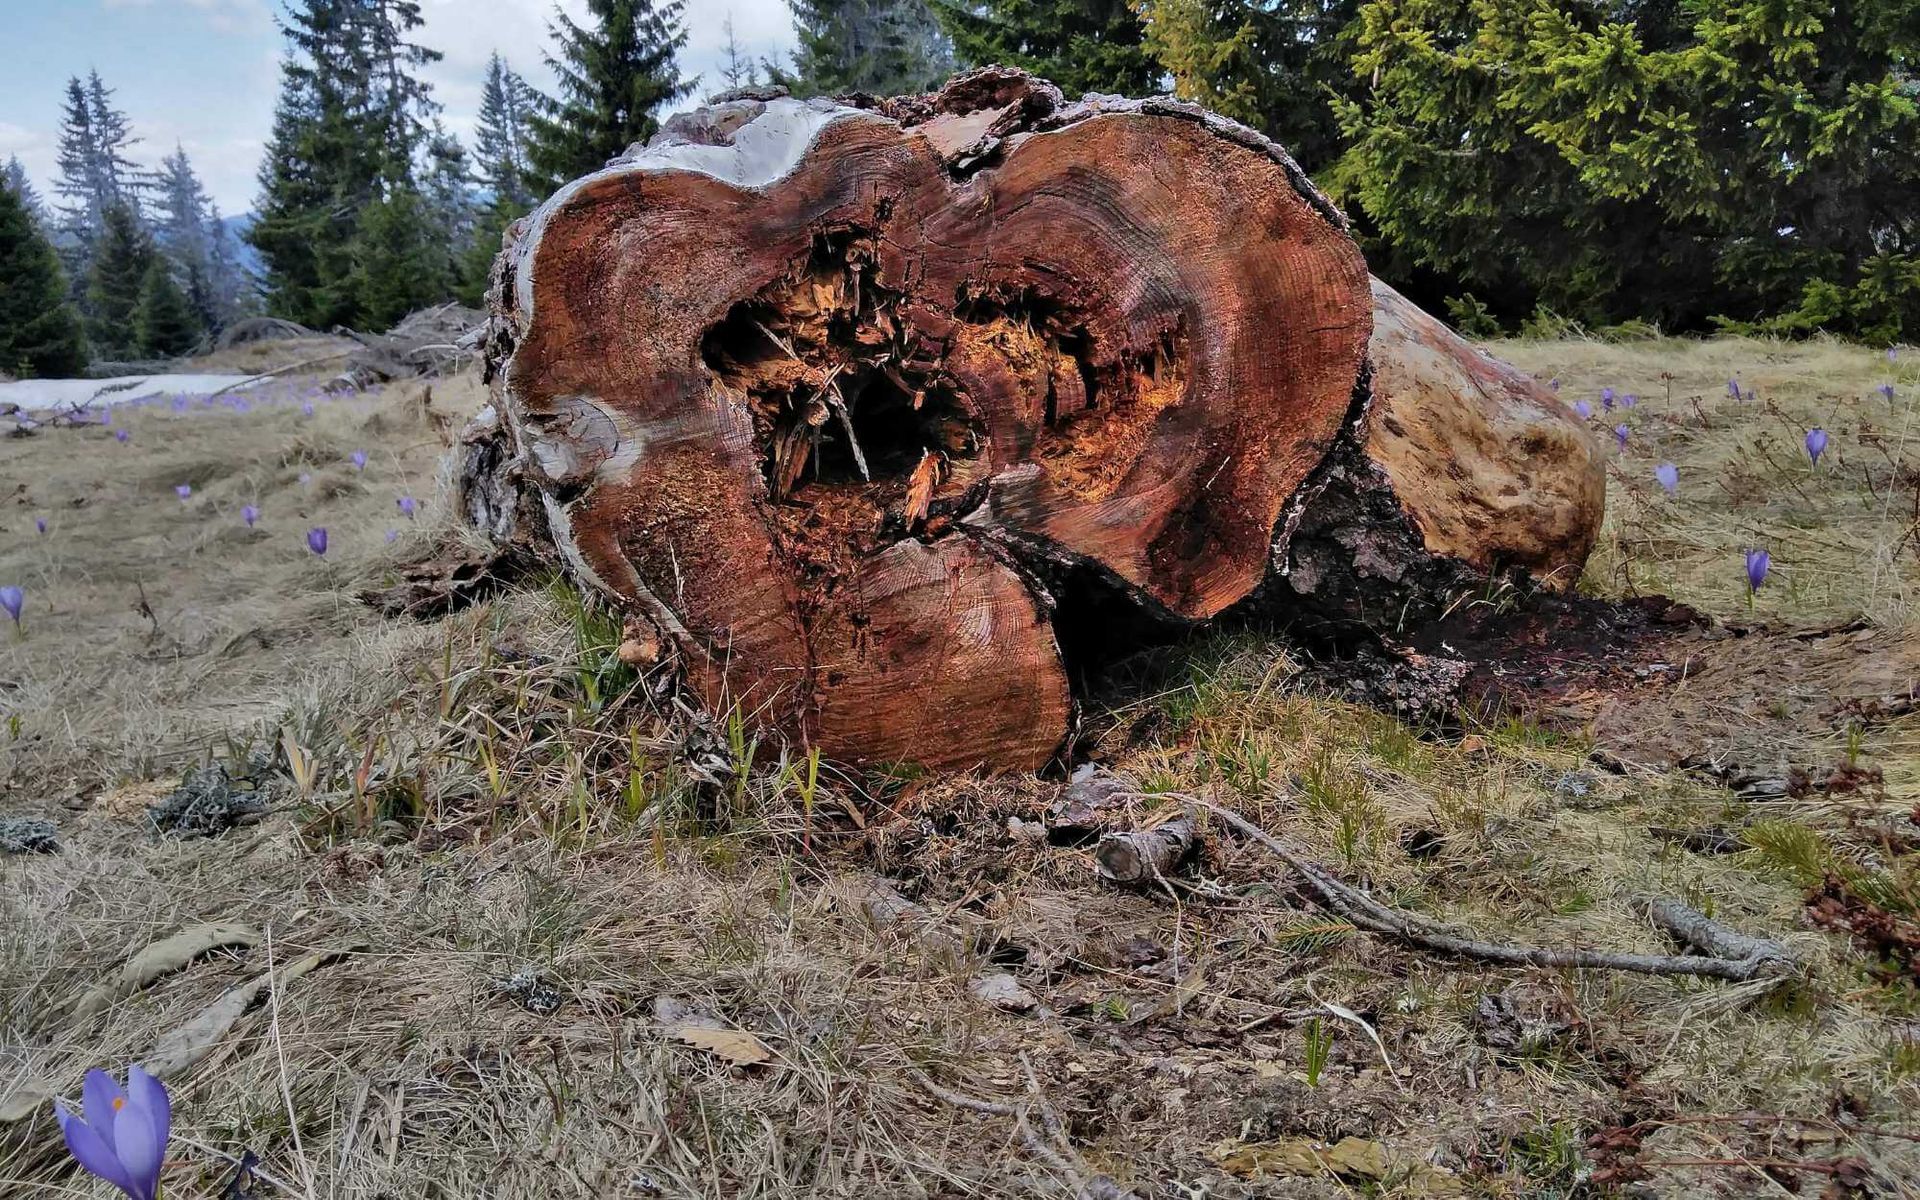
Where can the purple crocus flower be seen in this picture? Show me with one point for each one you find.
(120, 435)
(1668, 477)
(1816, 444)
(408, 505)
(1584, 410)
(14, 601)
(184, 491)
(1733, 388)
(1629, 400)
(359, 460)
(1758, 561)
(1620, 433)
(1554, 383)
(1606, 399)
(306, 410)
(121, 1135)
(393, 535)
(40, 524)
(249, 514)
(317, 540)
(1886, 389)
(306, 477)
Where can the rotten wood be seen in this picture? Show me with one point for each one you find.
(857, 403)
(1201, 324)
(1460, 469)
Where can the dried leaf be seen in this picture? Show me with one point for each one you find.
(735, 1045)
(31, 1096)
(185, 1045)
(163, 957)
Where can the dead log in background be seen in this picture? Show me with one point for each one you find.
(853, 403)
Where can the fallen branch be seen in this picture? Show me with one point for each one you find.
(250, 380)
(1135, 855)
(1758, 958)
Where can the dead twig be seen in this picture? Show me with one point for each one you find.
(250, 380)
(1762, 959)
(1099, 1187)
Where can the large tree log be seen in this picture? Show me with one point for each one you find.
(1459, 469)
(844, 400)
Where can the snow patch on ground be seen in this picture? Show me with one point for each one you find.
(43, 394)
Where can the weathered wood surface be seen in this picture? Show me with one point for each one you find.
(1460, 468)
(844, 401)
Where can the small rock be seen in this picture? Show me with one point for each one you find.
(1029, 832)
(1003, 991)
(1090, 794)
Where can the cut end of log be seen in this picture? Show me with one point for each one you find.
(830, 394)
(867, 409)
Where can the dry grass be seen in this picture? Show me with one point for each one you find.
(1842, 535)
(494, 795)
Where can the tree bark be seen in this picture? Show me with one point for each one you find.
(1137, 855)
(847, 402)
(1460, 469)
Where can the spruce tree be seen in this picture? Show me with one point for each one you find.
(500, 139)
(451, 210)
(189, 232)
(1082, 45)
(39, 330)
(740, 70)
(350, 124)
(886, 47)
(95, 172)
(116, 282)
(614, 77)
(399, 262)
(502, 167)
(1277, 65)
(1676, 163)
(166, 323)
(14, 179)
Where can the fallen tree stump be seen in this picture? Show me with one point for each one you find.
(870, 410)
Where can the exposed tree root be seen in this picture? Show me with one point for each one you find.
(1727, 955)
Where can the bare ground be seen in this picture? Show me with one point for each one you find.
(580, 947)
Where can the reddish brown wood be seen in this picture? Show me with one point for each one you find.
(832, 396)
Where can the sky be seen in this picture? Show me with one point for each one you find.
(204, 73)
